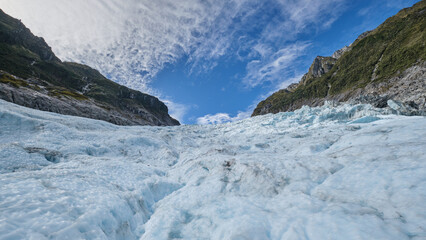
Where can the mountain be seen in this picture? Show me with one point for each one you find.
(32, 76)
(385, 65)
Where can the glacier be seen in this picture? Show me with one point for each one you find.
(331, 172)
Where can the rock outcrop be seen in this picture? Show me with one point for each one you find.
(319, 67)
(385, 67)
(32, 76)
(337, 54)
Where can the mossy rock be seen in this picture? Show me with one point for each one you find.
(11, 80)
(63, 92)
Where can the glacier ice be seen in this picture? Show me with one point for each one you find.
(343, 172)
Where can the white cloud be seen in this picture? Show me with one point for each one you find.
(310, 13)
(274, 62)
(128, 41)
(219, 118)
(131, 41)
(276, 65)
(176, 110)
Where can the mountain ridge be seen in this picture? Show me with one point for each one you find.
(32, 76)
(379, 65)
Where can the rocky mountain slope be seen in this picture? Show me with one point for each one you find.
(384, 67)
(32, 76)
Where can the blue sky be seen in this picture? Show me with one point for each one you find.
(211, 61)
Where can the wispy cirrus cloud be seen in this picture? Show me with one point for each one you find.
(308, 14)
(278, 48)
(274, 66)
(132, 41)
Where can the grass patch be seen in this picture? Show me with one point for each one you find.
(11, 80)
(62, 92)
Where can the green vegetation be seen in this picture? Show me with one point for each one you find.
(394, 46)
(59, 92)
(27, 56)
(9, 79)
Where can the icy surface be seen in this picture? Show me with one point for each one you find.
(349, 172)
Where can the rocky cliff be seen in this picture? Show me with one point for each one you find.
(385, 67)
(31, 75)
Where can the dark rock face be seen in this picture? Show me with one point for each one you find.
(319, 67)
(32, 76)
(407, 90)
(38, 94)
(22, 36)
(386, 65)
